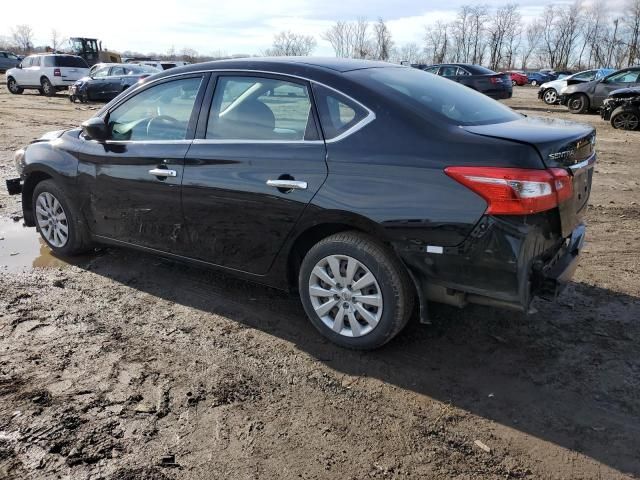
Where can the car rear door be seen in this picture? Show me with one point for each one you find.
(256, 163)
(131, 182)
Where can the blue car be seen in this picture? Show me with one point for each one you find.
(538, 78)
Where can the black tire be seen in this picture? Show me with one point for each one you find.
(48, 88)
(13, 87)
(392, 278)
(625, 118)
(578, 103)
(40, 91)
(550, 96)
(78, 240)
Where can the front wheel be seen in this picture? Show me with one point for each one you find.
(58, 221)
(578, 103)
(625, 119)
(513, 83)
(355, 291)
(13, 86)
(534, 83)
(48, 89)
(550, 96)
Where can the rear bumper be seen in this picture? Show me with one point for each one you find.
(505, 262)
(499, 94)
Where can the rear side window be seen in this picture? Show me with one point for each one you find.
(449, 71)
(434, 97)
(256, 108)
(337, 113)
(70, 61)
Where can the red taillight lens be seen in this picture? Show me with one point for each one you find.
(56, 72)
(495, 79)
(516, 191)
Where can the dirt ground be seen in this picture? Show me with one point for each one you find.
(126, 366)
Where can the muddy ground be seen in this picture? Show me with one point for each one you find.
(124, 366)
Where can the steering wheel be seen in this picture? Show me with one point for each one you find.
(162, 121)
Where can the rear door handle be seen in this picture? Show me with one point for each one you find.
(163, 172)
(287, 184)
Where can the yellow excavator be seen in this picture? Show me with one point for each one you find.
(91, 50)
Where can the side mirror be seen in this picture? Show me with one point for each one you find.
(95, 129)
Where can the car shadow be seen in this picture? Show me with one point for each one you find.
(567, 374)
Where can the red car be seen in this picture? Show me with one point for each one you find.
(518, 78)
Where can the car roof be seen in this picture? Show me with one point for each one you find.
(284, 65)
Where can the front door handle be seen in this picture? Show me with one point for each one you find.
(287, 184)
(163, 172)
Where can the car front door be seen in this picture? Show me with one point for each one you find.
(131, 182)
(114, 82)
(98, 84)
(623, 79)
(256, 163)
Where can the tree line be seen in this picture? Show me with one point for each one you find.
(566, 36)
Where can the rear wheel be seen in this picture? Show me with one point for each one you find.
(58, 221)
(625, 118)
(534, 83)
(355, 291)
(550, 96)
(47, 88)
(13, 86)
(514, 83)
(578, 103)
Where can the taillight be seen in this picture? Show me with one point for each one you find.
(516, 191)
(56, 72)
(495, 79)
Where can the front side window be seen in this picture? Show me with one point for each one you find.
(255, 108)
(337, 113)
(117, 71)
(101, 73)
(590, 75)
(36, 61)
(161, 112)
(433, 70)
(630, 76)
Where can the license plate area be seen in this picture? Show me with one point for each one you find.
(572, 211)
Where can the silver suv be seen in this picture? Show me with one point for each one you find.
(46, 73)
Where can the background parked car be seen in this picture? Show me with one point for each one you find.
(8, 60)
(582, 97)
(476, 77)
(160, 65)
(550, 91)
(538, 78)
(46, 73)
(109, 81)
(622, 108)
(518, 78)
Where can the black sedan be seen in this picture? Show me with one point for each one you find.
(365, 187)
(622, 108)
(587, 96)
(476, 77)
(108, 81)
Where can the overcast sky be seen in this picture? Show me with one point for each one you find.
(240, 26)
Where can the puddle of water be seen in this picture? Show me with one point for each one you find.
(22, 249)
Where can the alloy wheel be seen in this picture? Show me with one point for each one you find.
(550, 96)
(52, 220)
(626, 121)
(345, 295)
(13, 85)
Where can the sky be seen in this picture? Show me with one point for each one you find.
(231, 27)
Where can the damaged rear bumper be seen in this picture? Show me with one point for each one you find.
(503, 264)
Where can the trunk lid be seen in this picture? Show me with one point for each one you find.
(561, 144)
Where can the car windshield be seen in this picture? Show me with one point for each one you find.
(435, 97)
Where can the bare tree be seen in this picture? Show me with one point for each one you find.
(437, 42)
(409, 52)
(362, 43)
(382, 42)
(340, 36)
(533, 33)
(23, 38)
(57, 40)
(287, 44)
(632, 23)
(503, 32)
(188, 55)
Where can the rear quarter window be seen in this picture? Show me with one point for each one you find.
(70, 61)
(338, 114)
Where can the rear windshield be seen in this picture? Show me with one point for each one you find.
(480, 70)
(435, 97)
(69, 61)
